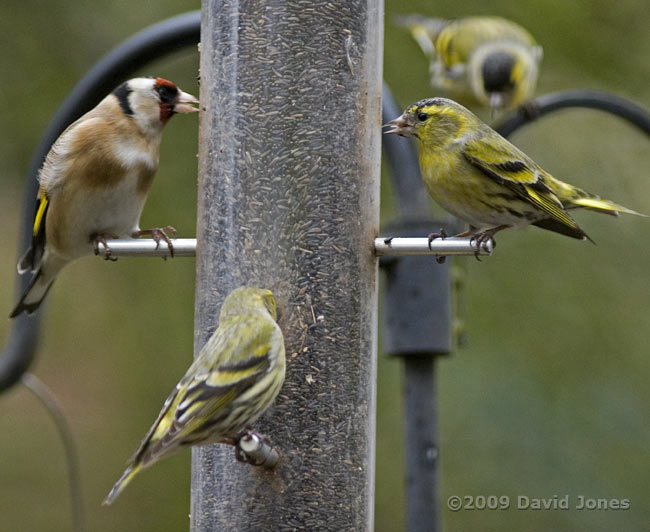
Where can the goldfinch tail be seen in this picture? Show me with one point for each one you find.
(126, 477)
(31, 260)
(594, 203)
(27, 262)
(47, 268)
(34, 295)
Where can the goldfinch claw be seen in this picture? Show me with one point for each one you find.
(160, 233)
(101, 238)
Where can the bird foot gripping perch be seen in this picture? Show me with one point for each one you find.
(158, 234)
(483, 241)
(101, 239)
(442, 234)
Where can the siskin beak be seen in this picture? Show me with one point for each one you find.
(497, 102)
(400, 126)
(185, 103)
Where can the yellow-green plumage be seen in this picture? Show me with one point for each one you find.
(487, 61)
(483, 179)
(234, 379)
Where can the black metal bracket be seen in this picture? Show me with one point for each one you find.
(588, 99)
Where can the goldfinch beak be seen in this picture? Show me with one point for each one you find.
(185, 103)
(401, 126)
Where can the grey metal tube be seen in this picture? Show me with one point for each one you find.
(384, 247)
(289, 151)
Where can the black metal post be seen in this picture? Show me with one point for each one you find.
(417, 326)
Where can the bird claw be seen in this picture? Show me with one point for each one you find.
(442, 234)
(481, 241)
(240, 454)
(101, 238)
(158, 234)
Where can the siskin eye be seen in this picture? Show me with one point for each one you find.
(422, 117)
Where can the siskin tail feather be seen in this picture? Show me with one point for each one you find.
(123, 481)
(602, 205)
(557, 227)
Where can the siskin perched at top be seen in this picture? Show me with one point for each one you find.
(487, 61)
(95, 180)
(480, 177)
(233, 380)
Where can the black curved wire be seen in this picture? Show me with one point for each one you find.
(590, 99)
(51, 404)
(151, 43)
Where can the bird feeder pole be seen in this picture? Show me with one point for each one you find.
(289, 153)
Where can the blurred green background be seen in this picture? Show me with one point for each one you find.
(548, 395)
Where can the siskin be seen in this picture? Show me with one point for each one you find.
(95, 180)
(486, 61)
(233, 380)
(480, 177)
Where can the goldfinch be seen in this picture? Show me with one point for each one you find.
(486, 61)
(95, 180)
(480, 177)
(234, 379)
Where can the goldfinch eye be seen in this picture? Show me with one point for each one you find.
(167, 94)
(422, 117)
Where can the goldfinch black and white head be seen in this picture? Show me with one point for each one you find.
(153, 101)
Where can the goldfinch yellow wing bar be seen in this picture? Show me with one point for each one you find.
(394, 247)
